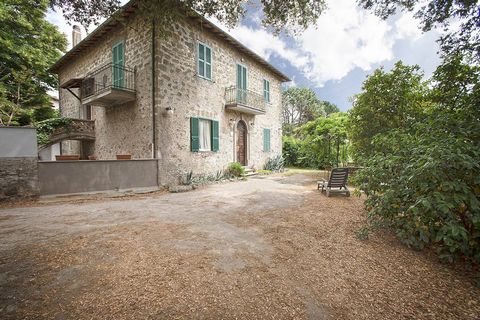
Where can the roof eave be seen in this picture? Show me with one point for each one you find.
(129, 9)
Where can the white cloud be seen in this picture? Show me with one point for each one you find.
(408, 27)
(345, 37)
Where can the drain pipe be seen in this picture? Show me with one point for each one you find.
(154, 125)
(154, 118)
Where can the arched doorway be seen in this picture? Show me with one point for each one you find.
(241, 145)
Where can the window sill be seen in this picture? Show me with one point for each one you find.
(204, 78)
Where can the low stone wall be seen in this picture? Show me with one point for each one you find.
(18, 178)
(65, 177)
(18, 163)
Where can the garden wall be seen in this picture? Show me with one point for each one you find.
(64, 177)
(18, 163)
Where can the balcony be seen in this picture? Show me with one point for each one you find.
(68, 129)
(108, 86)
(244, 101)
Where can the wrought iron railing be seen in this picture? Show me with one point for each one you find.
(109, 76)
(251, 99)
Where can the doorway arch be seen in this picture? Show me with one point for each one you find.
(241, 143)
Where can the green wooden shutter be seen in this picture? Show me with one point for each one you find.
(118, 60)
(208, 63)
(266, 140)
(201, 60)
(194, 135)
(266, 90)
(215, 136)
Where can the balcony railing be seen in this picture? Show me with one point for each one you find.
(244, 101)
(109, 84)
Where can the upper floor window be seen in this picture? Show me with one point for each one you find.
(204, 55)
(266, 90)
(118, 62)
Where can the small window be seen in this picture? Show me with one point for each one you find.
(204, 61)
(266, 140)
(204, 135)
(266, 90)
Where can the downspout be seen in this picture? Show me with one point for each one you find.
(154, 122)
(154, 136)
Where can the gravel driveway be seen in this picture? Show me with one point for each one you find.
(267, 248)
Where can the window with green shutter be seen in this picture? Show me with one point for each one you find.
(266, 140)
(204, 55)
(266, 90)
(204, 135)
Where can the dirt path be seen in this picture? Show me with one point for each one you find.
(267, 248)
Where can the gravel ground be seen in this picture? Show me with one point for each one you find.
(267, 248)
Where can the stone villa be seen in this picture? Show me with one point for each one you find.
(196, 99)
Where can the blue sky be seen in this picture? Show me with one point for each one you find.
(334, 56)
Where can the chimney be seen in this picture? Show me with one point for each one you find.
(76, 35)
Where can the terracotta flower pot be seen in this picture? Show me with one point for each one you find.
(124, 157)
(67, 157)
(92, 157)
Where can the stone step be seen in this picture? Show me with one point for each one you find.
(251, 173)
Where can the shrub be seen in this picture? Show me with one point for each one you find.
(291, 151)
(275, 163)
(235, 169)
(427, 189)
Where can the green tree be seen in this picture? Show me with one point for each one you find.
(300, 105)
(324, 140)
(278, 15)
(329, 107)
(390, 100)
(29, 44)
(427, 187)
(444, 14)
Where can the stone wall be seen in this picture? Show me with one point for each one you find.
(192, 96)
(120, 129)
(18, 163)
(18, 178)
(128, 128)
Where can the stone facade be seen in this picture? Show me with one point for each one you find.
(128, 128)
(18, 178)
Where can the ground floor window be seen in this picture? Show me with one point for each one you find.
(204, 134)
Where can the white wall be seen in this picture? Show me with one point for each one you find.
(18, 142)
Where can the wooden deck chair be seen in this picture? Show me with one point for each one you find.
(338, 179)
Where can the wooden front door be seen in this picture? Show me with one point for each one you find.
(242, 143)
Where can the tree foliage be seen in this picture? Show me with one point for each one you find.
(300, 105)
(28, 46)
(390, 100)
(277, 14)
(444, 14)
(423, 180)
(320, 143)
